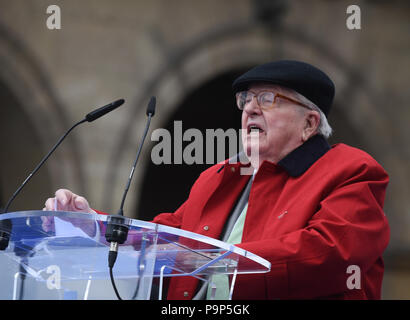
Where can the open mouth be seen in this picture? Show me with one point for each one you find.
(254, 128)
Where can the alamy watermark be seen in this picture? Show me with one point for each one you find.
(201, 146)
(354, 280)
(354, 19)
(54, 280)
(53, 21)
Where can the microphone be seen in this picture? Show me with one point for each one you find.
(117, 225)
(5, 225)
(151, 107)
(94, 115)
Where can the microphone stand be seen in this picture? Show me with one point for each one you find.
(117, 225)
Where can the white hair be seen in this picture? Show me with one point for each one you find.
(324, 128)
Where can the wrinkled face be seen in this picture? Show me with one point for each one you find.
(280, 128)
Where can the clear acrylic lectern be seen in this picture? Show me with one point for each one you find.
(63, 255)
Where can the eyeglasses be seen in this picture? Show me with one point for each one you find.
(265, 99)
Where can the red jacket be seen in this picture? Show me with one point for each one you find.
(312, 215)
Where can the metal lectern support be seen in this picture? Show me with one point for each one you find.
(232, 284)
(15, 284)
(194, 274)
(161, 279)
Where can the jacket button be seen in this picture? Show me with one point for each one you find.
(206, 228)
(186, 294)
(233, 169)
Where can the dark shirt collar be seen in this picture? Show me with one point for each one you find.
(302, 158)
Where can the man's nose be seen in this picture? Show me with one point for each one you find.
(252, 107)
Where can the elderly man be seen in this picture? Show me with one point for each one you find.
(314, 211)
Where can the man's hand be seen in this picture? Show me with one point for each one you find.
(65, 200)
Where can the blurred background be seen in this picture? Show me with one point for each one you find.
(187, 54)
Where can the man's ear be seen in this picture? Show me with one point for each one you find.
(312, 121)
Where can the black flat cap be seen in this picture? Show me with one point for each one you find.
(302, 77)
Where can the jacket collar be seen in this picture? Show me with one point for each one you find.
(297, 161)
(302, 158)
